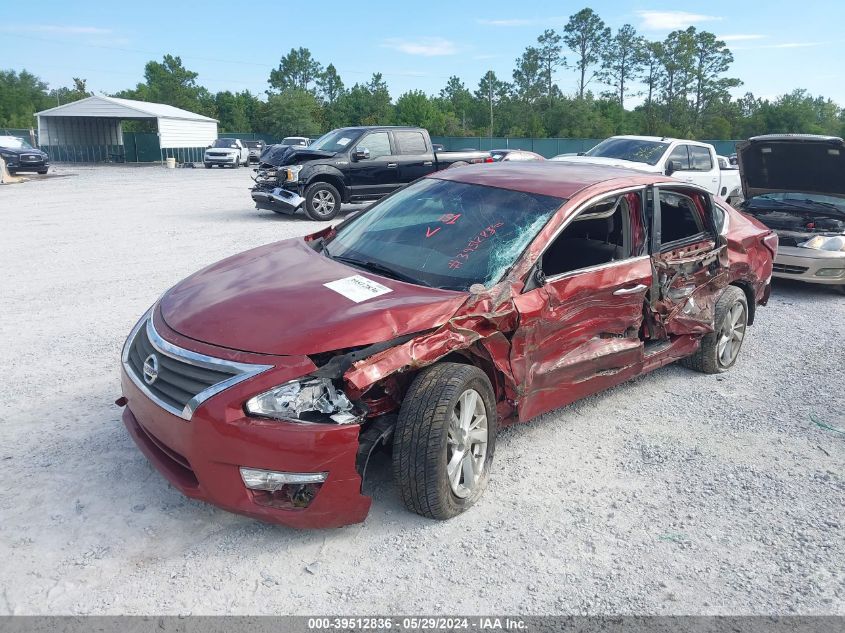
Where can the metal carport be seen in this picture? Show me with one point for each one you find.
(91, 130)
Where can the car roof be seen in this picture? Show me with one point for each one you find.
(660, 139)
(558, 179)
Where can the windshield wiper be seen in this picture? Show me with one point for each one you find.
(379, 268)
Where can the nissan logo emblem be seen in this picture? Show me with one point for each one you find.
(150, 369)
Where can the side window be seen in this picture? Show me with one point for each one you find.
(681, 155)
(378, 143)
(680, 217)
(410, 142)
(608, 231)
(699, 158)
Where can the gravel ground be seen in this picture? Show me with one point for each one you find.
(676, 493)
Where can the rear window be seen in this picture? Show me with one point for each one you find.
(699, 158)
(410, 142)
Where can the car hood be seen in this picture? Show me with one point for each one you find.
(792, 163)
(612, 162)
(18, 151)
(272, 300)
(292, 155)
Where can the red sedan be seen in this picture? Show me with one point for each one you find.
(469, 300)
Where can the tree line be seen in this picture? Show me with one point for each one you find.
(681, 87)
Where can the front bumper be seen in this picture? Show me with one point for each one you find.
(278, 199)
(201, 456)
(804, 264)
(19, 165)
(221, 160)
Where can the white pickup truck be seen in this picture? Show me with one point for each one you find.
(688, 161)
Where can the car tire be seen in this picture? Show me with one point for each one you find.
(207, 165)
(433, 440)
(42, 172)
(720, 349)
(236, 164)
(322, 201)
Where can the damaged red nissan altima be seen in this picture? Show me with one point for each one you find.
(469, 300)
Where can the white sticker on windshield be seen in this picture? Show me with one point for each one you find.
(344, 141)
(357, 288)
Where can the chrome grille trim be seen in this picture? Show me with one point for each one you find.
(242, 371)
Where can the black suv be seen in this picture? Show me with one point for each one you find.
(21, 156)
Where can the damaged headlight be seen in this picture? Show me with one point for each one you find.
(825, 243)
(292, 173)
(307, 399)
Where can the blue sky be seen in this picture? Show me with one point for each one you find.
(778, 45)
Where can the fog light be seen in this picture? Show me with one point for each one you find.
(272, 480)
(830, 272)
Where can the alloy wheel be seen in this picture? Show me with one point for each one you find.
(323, 202)
(466, 445)
(732, 334)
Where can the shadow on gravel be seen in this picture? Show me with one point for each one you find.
(264, 216)
(794, 289)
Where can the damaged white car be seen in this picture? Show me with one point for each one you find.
(795, 184)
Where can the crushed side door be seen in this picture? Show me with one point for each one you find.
(689, 273)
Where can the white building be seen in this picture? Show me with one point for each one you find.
(91, 130)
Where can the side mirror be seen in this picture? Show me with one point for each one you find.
(673, 166)
(361, 153)
(536, 278)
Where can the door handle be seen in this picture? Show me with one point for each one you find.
(629, 291)
(428, 163)
(392, 165)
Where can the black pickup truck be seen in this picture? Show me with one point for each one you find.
(352, 164)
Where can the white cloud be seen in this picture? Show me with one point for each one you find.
(550, 21)
(781, 45)
(740, 37)
(424, 46)
(507, 22)
(671, 20)
(56, 29)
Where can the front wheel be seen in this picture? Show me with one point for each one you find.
(444, 440)
(720, 349)
(322, 201)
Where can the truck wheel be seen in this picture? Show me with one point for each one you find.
(237, 164)
(719, 349)
(444, 440)
(322, 201)
(208, 165)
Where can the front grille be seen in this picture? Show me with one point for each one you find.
(791, 270)
(183, 379)
(30, 158)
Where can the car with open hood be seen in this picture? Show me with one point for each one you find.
(795, 184)
(469, 300)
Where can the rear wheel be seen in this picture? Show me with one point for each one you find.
(322, 201)
(720, 349)
(444, 440)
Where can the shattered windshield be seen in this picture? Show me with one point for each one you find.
(634, 150)
(444, 234)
